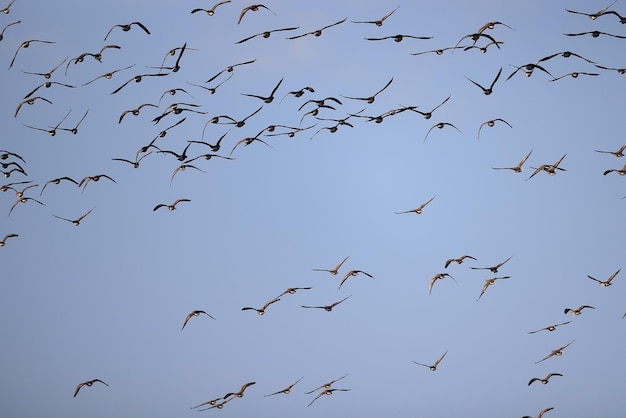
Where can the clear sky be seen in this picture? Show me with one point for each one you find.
(107, 299)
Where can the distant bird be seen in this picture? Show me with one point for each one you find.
(266, 34)
(108, 75)
(135, 163)
(127, 27)
(458, 260)
(212, 90)
(88, 383)
(493, 269)
(30, 101)
(287, 390)
(207, 157)
(318, 32)
(574, 75)
(491, 25)
(433, 366)
(172, 206)
(335, 270)
(237, 123)
(418, 209)
(438, 276)
(292, 290)
(211, 402)
(6, 237)
(328, 308)
(595, 34)
(440, 125)
(229, 69)
(622, 19)
(247, 141)
(483, 49)
(577, 311)
(550, 327)
(96, 178)
(353, 273)
(398, 38)
(326, 392)
(219, 405)
(556, 352)
(565, 54)
(439, 51)
(544, 380)
(475, 37)
(7, 186)
(607, 282)
(23, 200)
(487, 91)
(19, 169)
(298, 93)
(47, 75)
(593, 16)
(7, 174)
(371, 98)
(211, 11)
(53, 130)
(528, 70)
(176, 67)
(268, 99)
(47, 85)
(253, 8)
(428, 115)
(489, 282)
(137, 79)
(543, 411)
(617, 153)
(620, 171)
(239, 393)
(548, 168)
(380, 21)
(261, 310)
(4, 154)
(135, 111)
(194, 313)
(326, 385)
(75, 222)
(57, 181)
(518, 168)
(491, 123)
(74, 130)
(25, 45)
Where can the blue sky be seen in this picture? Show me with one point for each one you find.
(107, 299)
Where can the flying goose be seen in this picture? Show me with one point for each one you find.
(74, 130)
(327, 392)
(318, 32)
(211, 11)
(543, 411)
(268, 99)
(127, 27)
(326, 385)
(47, 85)
(261, 311)
(335, 270)
(606, 282)
(25, 45)
(353, 273)
(137, 79)
(57, 181)
(618, 153)
(577, 311)
(518, 167)
(266, 34)
(253, 8)
(620, 171)
(53, 130)
(371, 98)
(380, 21)
(458, 260)
(97, 177)
(548, 168)
(292, 290)
(574, 74)
(438, 276)
(418, 209)
(75, 222)
(239, 393)
(135, 163)
(287, 390)
(30, 101)
(7, 9)
(398, 38)
(135, 111)
(487, 90)
(557, 352)
(327, 308)
(441, 125)
(194, 313)
(593, 16)
(172, 206)
(595, 34)
(88, 383)
(229, 69)
(23, 200)
(545, 380)
(491, 123)
(493, 269)
(550, 327)
(6, 237)
(433, 366)
(47, 75)
(489, 282)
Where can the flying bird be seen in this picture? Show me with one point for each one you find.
(30, 101)
(135, 163)
(353, 273)
(380, 21)
(433, 366)
(593, 16)
(335, 270)
(266, 34)
(75, 222)
(172, 206)
(47, 85)
(545, 380)
(7, 26)
(268, 99)
(487, 91)
(327, 308)
(595, 34)
(518, 168)
(440, 125)
(292, 290)
(326, 385)
(6, 237)
(543, 411)
(108, 75)
(493, 269)
(318, 32)
(618, 153)
(88, 383)
(211, 11)
(565, 54)
(491, 123)
(135, 111)
(418, 209)
(606, 282)
(489, 282)
(239, 393)
(439, 51)
(492, 25)
(326, 392)
(230, 69)
(137, 79)
(528, 70)
(371, 98)
(548, 168)
(127, 27)
(550, 327)
(253, 8)
(57, 181)
(557, 352)
(428, 115)
(574, 75)
(261, 310)
(47, 75)
(74, 130)
(194, 313)
(578, 311)
(25, 45)
(458, 260)
(287, 390)
(620, 171)
(96, 178)
(398, 38)
(23, 200)
(438, 276)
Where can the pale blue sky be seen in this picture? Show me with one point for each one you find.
(107, 299)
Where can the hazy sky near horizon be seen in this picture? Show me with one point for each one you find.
(107, 299)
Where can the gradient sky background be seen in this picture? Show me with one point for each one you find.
(107, 299)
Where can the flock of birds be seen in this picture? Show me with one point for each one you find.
(321, 115)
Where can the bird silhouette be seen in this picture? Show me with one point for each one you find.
(47, 85)
(487, 90)
(620, 171)
(25, 45)
(318, 32)
(518, 168)
(30, 101)
(493, 269)
(268, 99)
(137, 79)
(57, 181)
(253, 8)
(380, 21)
(458, 260)
(326, 385)
(543, 411)
(441, 125)
(97, 177)
(47, 75)
(6, 237)
(88, 383)
(545, 380)
(607, 282)
(326, 392)
(194, 313)
(574, 75)
(489, 282)
(211, 11)
(438, 276)
(172, 206)
(577, 311)
(418, 209)
(267, 34)
(286, 390)
(261, 310)
(398, 38)
(127, 27)
(23, 200)
(548, 168)
(239, 393)
(353, 273)
(618, 153)
(593, 16)
(491, 123)
(229, 69)
(334, 270)
(76, 221)
(433, 366)
(327, 308)
(556, 352)
(370, 99)
(8, 25)
(550, 327)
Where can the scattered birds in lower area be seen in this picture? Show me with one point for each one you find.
(334, 270)
(489, 282)
(556, 352)
(172, 206)
(194, 313)
(6, 237)
(327, 308)
(418, 209)
(433, 366)
(550, 327)
(88, 383)
(287, 390)
(578, 310)
(545, 380)
(607, 282)
(493, 269)
(518, 168)
(76, 221)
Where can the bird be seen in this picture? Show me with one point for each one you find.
(219, 405)
(440, 51)
(548, 168)
(292, 290)
(261, 310)
(318, 32)
(287, 390)
(212, 90)
(127, 27)
(565, 54)
(493, 269)
(268, 99)
(327, 308)
(47, 75)
(88, 383)
(7, 9)
(489, 90)
(176, 67)
(326, 385)
(211, 11)
(550, 327)
(247, 141)
(593, 16)
(326, 392)
(23, 200)
(528, 70)
(253, 8)
(6, 237)
(298, 93)
(595, 34)
(25, 45)
(30, 101)
(53, 130)
(418, 209)
(618, 153)
(76, 222)
(622, 19)
(398, 38)
(475, 37)
(7, 186)
(483, 48)
(47, 85)
(441, 125)
(135, 163)
(491, 123)
(135, 111)
(18, 168)
(607, 282)
(433, 366)
(620, 171)
(194, 313)
(211, 402)
(267, 34)
(137, 79)
(4, 154)
(108, 75)
(428, 115)
(518, 168)
(380, 21)
(544, 380)
(172, 206)
(237, 123)
(489, 282)
(97, 177)
(574, 75)
(57, 181)
(239, 393)
(458, 260)
(577, 311)
(229, 69)
(492, 25)
(353, 273)
(556, 352)
(334, 270)
(74, 130)
(438, 276)
(543, 411)
(370, 99)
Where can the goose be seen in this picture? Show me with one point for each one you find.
(214, 147)
(518, 168)
(487, 91)
(57, 181)
(135, 163)
(593, 16)
(23, 200)
(207, 157)
(433, 366)
(30, 101)
(438, 276)
(607, 282)
(266, 34)
(574, 75)
(137, 79)
(285, 391)
(268, 99)
(557, 352)
(491, 123)
(618, 153)
(528, 70)
(176, 67)
(441, 125)
(418, 209)
(334, 270)
(95, 178)
(577, 311)
(7, 186)
(47, 85)
(6, 237)
(620, 171)
(135, 111)
(489, 282)
(299, 93)
(219, 405)
(7, 9)
(622, 19)
(491, 25)
(326, 392)
(482, 49)
(183, 167)
(212, 90)
(565, 54)
(292, 290)
(543, 411)
(550, 327)
(261, 310)
(253, 8)
(398, 38)
(458, 260)
(493, 269)
(595, 34)
(4, 154)
(194, 313)
(353, 273)
(370, 99)
(440, 51)
(7, 174)
(239, 393)
(229, 69)
(326, 385)
(545, 380)
(74, 130)
(53, 130)
(172, 206)
(17, 166)
(211, 402)
(88, 383)
(327, 308)
(380, 21)
(318, 32)
(428, 115)
(247, 141)
(47, 75)
(211, 11)
(232, 121)
(127, 27)
(25, 45)
(548, 168)
(75, 222)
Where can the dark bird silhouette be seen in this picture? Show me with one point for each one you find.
(172, 206)
(211, 402)
(428, 115)
(18, 167)
(334, 270)
(441, 125)
(292, 290)
(4, 154)
(25, 45)
(247, 141)
(229, 69)
(239, 393)
(433, 366)
(232, 121)
(550, 327)
(287, 390)
(176, 67)
(483, 48)
(380, 21)
(458, 260)
(607, 282)
(266, 99)
(47, 85)
(30, 101)
(489, 282)
(491, 25)
(595, 34)
(211, 11)
(398, 38)
(216, 405)
(88, 383)
(545, 380)
(370, 99)
(528, 70)
(137, 79)
(6, 237)
(574, 75)
(261, 310)
(194, 313)
(318, 32)
(442, 50)
(326, 392)
(620, 171)
(135, 163)
(327, 308)
(487, 90)
(493, 269)
(135, 111)
(491, 123)
(179, 157)
(127, 27)
(418, 209)
(565, 54)
(326, 385)
(95, 178)
(53, 130)
(438, 276)
(266, 34)
(7, 186)
(518, 168)
(298, 93)
(353, 273)
(74, 130)
(557, 352)
(7, 26)
(548, 168)
(7, 174)
(618, 153)
(47, 75)
(57, 181)
(23, 200)
(75, 222)
(593, 16)
(543, 411)
(108, 75)
(212, 90)
(253, 8)
(577, 311)
(475, 37)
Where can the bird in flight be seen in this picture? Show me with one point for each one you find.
(550, 327)
(239, 393)
(318, 32)
(172, 206)
(25, 45)
(593, 16)
(371, 98)
(543, 411)
(556, 352)
(75, 222)
(253, 8)
(88, 383)
(491, 123)
(23, 200)
(577, 311)
(618, 153)
(489, 282)
(292, 290)
(266, 34)
(398, 38)
(96, 178)
(353, 273)
(268, 99)
(211, 11)
(488, 90)
(327, 308)
(545, 380)
(620, 171)
(7, 26)
(433, 366)
(326, 392)
(194, 313)
(30, 101)
(6, 237)
(380, 21)
(518, 167)
(418, 209)
(326, 385)
(441, 125)
(335, 270)
(261, 310)
(606, 282)
(458, 260)
(127, 27)
(438, 276)
(548, 168)
(493, 269)
(287, 390)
